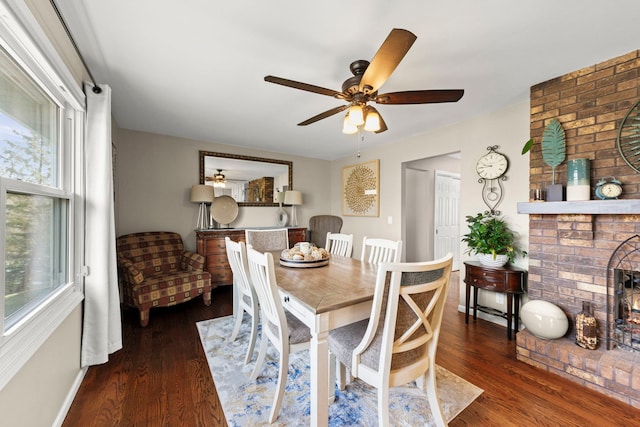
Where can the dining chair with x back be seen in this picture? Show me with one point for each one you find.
(398, 343)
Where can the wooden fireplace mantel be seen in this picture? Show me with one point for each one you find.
(587, 207)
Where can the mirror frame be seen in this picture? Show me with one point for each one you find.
(204, 154)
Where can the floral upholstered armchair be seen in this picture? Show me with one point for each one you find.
(156, 271)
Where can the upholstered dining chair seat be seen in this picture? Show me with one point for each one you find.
(298, 331)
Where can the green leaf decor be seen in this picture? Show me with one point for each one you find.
(527, 146)
(553, 146)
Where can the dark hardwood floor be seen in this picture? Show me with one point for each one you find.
(161, 377)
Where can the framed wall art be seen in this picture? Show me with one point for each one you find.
(361, 189)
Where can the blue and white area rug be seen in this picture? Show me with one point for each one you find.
(247, 403)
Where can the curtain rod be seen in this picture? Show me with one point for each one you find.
(96, 88)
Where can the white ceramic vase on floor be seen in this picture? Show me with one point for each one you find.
(544, 319)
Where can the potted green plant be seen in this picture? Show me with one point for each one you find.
(491, 240)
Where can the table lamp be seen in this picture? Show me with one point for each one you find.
(202, 194)
(293, 198)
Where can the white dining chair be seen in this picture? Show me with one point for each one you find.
(339, 244)
(398, 343)
(268, 240)
(380, 250)
(281, 328)
(247, 297)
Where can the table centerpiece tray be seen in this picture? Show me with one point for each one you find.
(304, 264)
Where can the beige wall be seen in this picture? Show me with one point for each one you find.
(36, 395)
(155, 174)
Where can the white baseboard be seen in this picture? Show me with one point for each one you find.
(69, 399)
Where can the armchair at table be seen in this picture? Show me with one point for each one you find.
(320, 225)
(156, 271)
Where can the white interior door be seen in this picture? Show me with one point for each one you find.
(446, 216)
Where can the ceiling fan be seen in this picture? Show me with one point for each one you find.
(362, 88)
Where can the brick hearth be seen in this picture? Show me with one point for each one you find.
(569, 252)
(615, 373)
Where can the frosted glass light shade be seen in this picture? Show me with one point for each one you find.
(372, 123)
(347, 127)
(356, 115)
(293, 197)
(201, 193)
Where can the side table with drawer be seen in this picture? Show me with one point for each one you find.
(508, 279)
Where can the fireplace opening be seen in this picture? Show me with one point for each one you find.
(623, 299)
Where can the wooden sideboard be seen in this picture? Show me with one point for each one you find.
(210, 244)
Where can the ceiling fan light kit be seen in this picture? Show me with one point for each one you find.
(363, 87)
(219, 179)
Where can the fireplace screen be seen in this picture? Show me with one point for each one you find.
(623, 311)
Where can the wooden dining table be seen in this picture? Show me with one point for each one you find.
(325, 298)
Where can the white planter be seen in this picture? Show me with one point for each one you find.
(544, 319)
(488, 260)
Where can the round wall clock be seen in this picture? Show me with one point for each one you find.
(492, 167)
(629, 137)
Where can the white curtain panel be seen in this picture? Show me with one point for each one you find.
(102, 334)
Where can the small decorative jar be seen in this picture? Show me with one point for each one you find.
(586, 327)
(578, 184)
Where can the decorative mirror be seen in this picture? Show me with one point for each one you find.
(251, 181)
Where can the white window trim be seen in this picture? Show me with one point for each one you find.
(22, 37)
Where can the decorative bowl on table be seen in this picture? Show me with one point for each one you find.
(304, 255)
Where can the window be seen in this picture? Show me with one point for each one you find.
(36, 225)
(41, 175)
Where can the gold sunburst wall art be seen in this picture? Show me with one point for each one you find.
(361, 189)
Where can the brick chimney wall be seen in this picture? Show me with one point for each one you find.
(569, 253)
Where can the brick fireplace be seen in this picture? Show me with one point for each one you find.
(570, 243)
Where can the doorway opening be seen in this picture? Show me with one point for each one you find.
(430, 200)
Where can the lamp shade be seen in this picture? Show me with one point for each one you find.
(293, 197)
(201, 193)
(356, 115)
(372, 123)
(347, 127)
(280, 197)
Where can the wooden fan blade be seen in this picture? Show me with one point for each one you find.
(420, 96)
(303, 86)
(394, 48)
(324, 115)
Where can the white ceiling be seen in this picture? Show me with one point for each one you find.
(195, 68)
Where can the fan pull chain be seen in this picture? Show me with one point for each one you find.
(360, 139)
